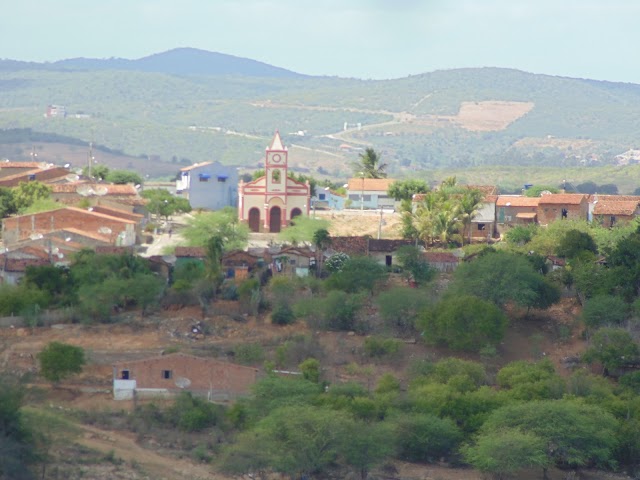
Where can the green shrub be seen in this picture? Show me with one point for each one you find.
(380, 346)
(282, 314)
(248, 353)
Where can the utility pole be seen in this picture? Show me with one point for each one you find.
(91, 158)
(380, 225)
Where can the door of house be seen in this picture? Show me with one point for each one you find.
(254, 219)
(274, 219)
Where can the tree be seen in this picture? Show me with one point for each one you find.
(624, 260)
(425, 438)
(27, 193)
(336, 262)
(99, 172)
(502, 277)
(223, 223)
(16, 439)
(369, 165)
(162, 203)
(302, 229)
(7, 202)
(573, 434)
(415, 265)
(322, 241)
(612, 348)
(523, 380)
(469, 206)
(507, 452)
(367, 445)
(603, 310)
(464, 323)
(406, 189)
(310, 369)
(574, 242)
(358, 273)
(536, 190)
(400, 307)
(60, 360)
(122, 177)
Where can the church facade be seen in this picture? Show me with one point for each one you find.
(270, 202)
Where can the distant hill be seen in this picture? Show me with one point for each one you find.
(179, 61)
(189, 105)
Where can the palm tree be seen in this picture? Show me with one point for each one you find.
(446, 225)
(370, 165)
(321, 240)
(468, 207)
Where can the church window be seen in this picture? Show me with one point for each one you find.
(275, 176)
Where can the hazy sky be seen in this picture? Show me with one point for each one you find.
(357, 38)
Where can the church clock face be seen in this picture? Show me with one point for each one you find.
(276, 158)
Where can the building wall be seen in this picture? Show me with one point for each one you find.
(205, 375)
(16, 229)
(218, 191)
(549, 213)
(370, 199)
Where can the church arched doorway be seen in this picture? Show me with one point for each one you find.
(296, 212)
(254, 219)
(274, 219)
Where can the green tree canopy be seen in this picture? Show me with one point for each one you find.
(573, 434)
(27, 193)
(605, 310)
(502, 277)
(122, 177)
(464, 323)
(370, 165)
(163, 204)
(536, 190)
(574, 242)
(612, 348)
(7, 202)
(406, 189)
(222, 223)
(357, 274)
(60, 360)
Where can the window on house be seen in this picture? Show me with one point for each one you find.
(366, 198)
(482, 226)
(321, 196)
(564, 213)
(166, 374)
(124, 375)
(354, 197)
(612, 220)
(204, 177)
(388, 260)
(222, 178)
(32, 177)
(292, 261)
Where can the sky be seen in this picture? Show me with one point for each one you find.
(378, 39)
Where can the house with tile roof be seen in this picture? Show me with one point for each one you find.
(270, 202)
(514, 210)
(208, 185)
(553, 207)
(611, 210)
(116, 230)
(369, 193)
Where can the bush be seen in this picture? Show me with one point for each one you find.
(282, 314)
(380, 347)
(605, 310)
(426, 438)
(357, 274)
(464, 323)
(59, 360)
(337, 311)
(400, 306)
(248, 353)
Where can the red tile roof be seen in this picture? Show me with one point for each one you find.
(21, 264)
(350, 245)
(562, 199)
(517, 201)
(614, 207)
(195, 165)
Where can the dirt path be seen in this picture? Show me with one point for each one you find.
(157, 466)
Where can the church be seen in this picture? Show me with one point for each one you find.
(270, 202)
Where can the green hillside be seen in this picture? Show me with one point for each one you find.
(444, 119)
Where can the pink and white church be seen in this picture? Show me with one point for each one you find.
(270, 202)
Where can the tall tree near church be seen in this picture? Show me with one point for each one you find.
(370, 165)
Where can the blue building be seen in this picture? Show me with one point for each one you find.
(209, 185)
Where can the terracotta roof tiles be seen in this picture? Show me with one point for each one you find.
(517, 201)
(562, 199)
(370, 184)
